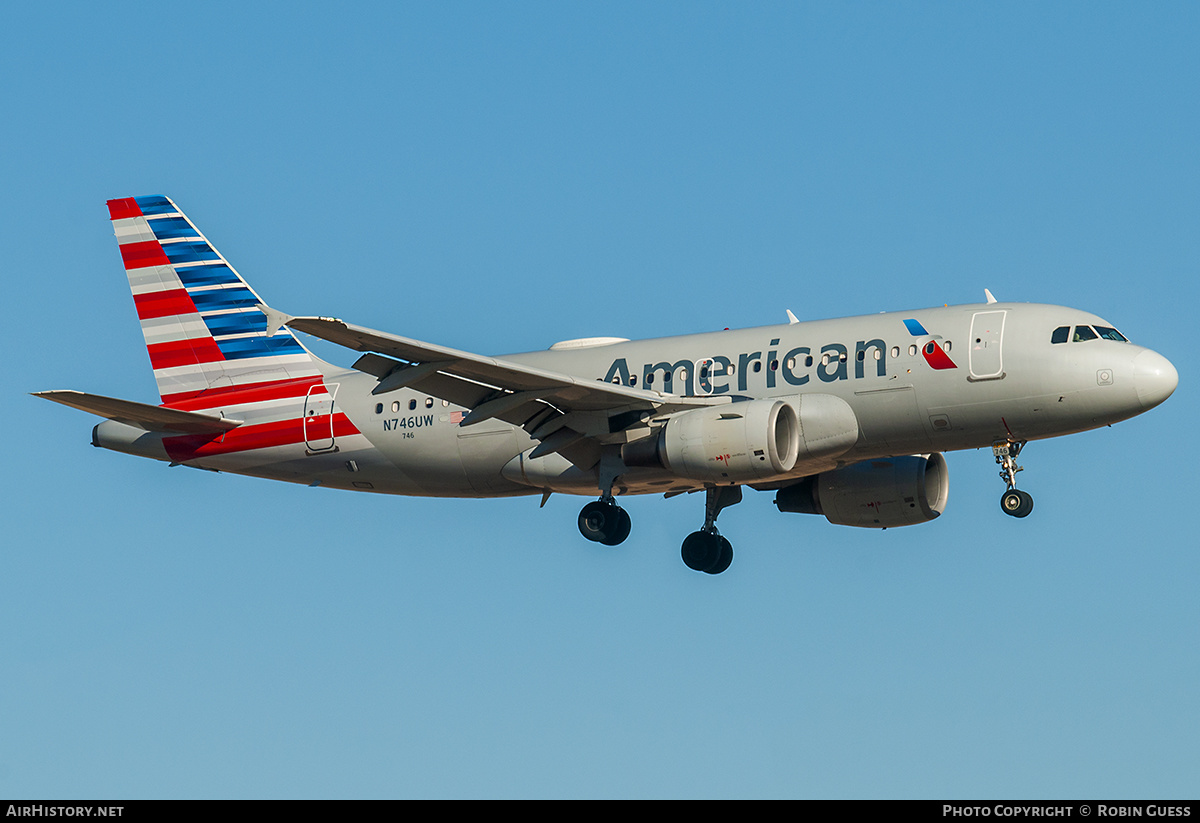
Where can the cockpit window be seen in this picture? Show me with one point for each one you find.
(1061, 335)
(1083, 333)
(1109, 333)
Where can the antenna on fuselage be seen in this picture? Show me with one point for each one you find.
(791, 318)
(988, 295)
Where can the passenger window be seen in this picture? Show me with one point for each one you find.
(757, 366)
(379, 408)
(895, 352)
(633, 379)
(1084, 333)
(1109, 333)
(946, 346)
(412, 404)
(912, 350)
(1061, 334)
(429, 402)
(395, 405)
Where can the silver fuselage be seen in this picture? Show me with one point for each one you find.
(1005, 380)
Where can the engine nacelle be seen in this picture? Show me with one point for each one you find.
(828, 429)
(874, 494)
(734, 443)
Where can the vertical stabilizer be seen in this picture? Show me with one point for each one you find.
(199, 317)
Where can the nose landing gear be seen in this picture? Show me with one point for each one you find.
(1013, 502)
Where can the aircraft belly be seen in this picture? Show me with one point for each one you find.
(555, 473)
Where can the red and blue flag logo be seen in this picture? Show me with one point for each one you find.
(934, 354)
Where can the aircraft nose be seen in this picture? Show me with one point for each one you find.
(1154, 378)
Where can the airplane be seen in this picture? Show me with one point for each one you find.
(845, 418)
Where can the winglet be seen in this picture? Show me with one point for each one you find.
(276, 320)
(988, 295)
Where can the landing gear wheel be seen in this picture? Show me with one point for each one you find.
(624, 525)
(1016, 503)
(726, 558)
(604, 522)
(707, 552)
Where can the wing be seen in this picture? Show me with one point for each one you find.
(571, 415)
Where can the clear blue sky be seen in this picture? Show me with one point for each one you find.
(496, 177)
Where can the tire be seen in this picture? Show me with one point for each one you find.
(1016, 503)
(701, 551)
(725, 558)
(595, 519)
(605, 523)
(621, 528)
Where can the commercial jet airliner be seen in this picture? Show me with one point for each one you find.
(842, 418)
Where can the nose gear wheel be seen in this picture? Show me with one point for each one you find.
(1013, 502)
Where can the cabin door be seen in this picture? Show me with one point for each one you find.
(987, 334)
(318, 417)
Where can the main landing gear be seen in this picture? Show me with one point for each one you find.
(603, 521)
(706, 550)
(1014, 501)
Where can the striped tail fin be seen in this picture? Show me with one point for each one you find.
(199, 317)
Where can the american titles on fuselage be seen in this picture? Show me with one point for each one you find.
(721, 374)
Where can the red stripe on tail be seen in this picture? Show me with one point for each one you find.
(140, 255)
(163, 303)
(125, 207)
(184, 353)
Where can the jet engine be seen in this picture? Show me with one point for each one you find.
(873, 494)
(734, 443)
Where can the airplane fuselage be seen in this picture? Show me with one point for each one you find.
(978, 374)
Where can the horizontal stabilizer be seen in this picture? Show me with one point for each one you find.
(141, 415)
